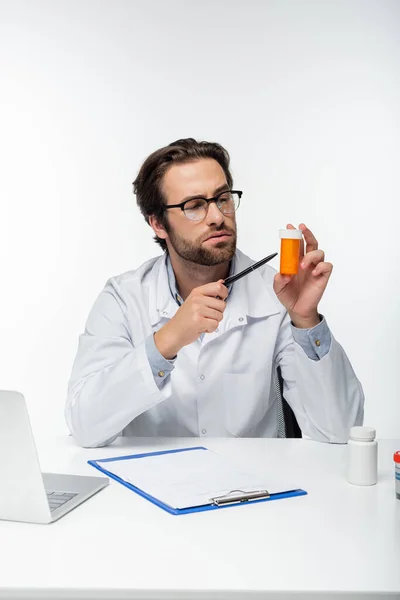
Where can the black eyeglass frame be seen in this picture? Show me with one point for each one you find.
(216, 198)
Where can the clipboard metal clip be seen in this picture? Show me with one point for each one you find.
(237, 496)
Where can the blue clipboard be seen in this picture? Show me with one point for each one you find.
(227, 502)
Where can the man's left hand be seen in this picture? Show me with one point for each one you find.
(300, 294)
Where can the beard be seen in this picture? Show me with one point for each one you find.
(195, 253)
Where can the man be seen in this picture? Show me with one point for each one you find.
(168, 350)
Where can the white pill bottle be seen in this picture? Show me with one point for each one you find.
(362, 456)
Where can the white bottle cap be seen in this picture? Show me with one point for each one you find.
(290, 234)
(362, 434)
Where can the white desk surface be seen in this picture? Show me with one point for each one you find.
(339, 538)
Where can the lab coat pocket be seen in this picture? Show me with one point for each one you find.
(246, 401)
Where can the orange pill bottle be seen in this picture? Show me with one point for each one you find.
(290, 251)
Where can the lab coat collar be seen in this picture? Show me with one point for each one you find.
(161, 303)
(251, 296)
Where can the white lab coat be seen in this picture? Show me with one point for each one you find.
(222, 385)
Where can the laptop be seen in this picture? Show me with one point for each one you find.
(27, 494)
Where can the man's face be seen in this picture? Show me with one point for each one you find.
(211, 241)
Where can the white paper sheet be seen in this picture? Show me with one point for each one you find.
(190, 478)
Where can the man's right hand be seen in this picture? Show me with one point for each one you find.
(201, 312)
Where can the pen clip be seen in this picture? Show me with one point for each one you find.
(237, 496)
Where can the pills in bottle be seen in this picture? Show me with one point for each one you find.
(290, 251)
(362, 456)
(396, 457)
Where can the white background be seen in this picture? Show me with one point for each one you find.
(304, 94)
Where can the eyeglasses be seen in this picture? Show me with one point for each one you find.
(196, 209)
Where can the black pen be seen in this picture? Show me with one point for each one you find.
(261, 262)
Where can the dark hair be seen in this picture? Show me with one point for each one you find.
(147, 185)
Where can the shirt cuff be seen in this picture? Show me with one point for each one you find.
(160, 366)
(316, 342)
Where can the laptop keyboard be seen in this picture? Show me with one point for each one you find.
(57, 499)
